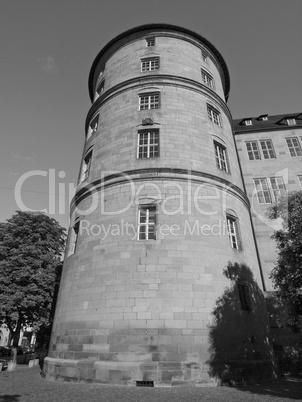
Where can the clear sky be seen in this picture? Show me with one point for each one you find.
(48, 46)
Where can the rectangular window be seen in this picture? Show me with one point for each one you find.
(86, 167)
(204, 57)
(252, 150)
(248, 122)
(244, 297)
(100, 87)
(291, 122)
(149, 101)
(263, 193)
(207, 78)
(214, 115)
(93, 126)
(278, 187)
(74, 234)
(150, 42)
(148, 144)
(267, 149)
(150, 64)
(221, 157)
(233, 232)
(147, 223)
(294, 146)
(300, 180)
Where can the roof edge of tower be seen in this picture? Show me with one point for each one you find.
(159, 26)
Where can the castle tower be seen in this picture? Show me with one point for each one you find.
(160, 210)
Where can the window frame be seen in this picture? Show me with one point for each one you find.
(270, 152)
(262, 191)
(294, 150)
(150, 41)
(253, 151)
(244, 296)
(86, 166)
(73, 238)
(207, 78)
(278, 188)
(150, 226)
(299, 176)
(147, 62)
(150, 103)
(100, 87)
(149, 145)
(233, 232)
(93, 129)
(214, 115)
(291, 121)
(204, 57)
(222, 161)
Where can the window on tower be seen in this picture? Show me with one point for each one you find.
(150, 41)
(86, 166)
(204, 56)
(233, 232)
(93, 126)
(221, 156)
(149, 101)
(244, 296)
(100, 87)
(150, 64)
(214, 115)
(148, 144)
(147, 222)
(73, 237)
(207, 78)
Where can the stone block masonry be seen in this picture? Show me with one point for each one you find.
(154, 214)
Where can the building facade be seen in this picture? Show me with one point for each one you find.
(270, 154)
(163, 278)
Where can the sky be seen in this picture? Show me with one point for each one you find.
(48, 46)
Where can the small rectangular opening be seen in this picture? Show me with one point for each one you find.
(145, 383)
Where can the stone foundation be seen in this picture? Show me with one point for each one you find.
(160, 373)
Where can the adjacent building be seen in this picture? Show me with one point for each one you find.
(270, 155)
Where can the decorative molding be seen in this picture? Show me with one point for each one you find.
(147, 121)
(159, 174)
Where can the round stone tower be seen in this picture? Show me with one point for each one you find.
(159, 212)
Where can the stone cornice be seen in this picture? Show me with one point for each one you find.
(156, 29)
(157, 80)
(160, 174)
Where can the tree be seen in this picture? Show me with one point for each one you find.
(31, 246)
(287, 274)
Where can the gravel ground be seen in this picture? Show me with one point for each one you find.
(26, 385)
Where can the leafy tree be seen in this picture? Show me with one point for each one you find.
(31, 245)
(287, 274)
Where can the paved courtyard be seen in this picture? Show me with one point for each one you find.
(25, 384)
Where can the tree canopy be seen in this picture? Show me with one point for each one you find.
(31, 246)
(287, 274)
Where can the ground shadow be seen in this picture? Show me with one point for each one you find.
(285, 388)
(287, 343)
(240, 344)
(10, 398)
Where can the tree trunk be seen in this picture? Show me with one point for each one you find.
(16, 333)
